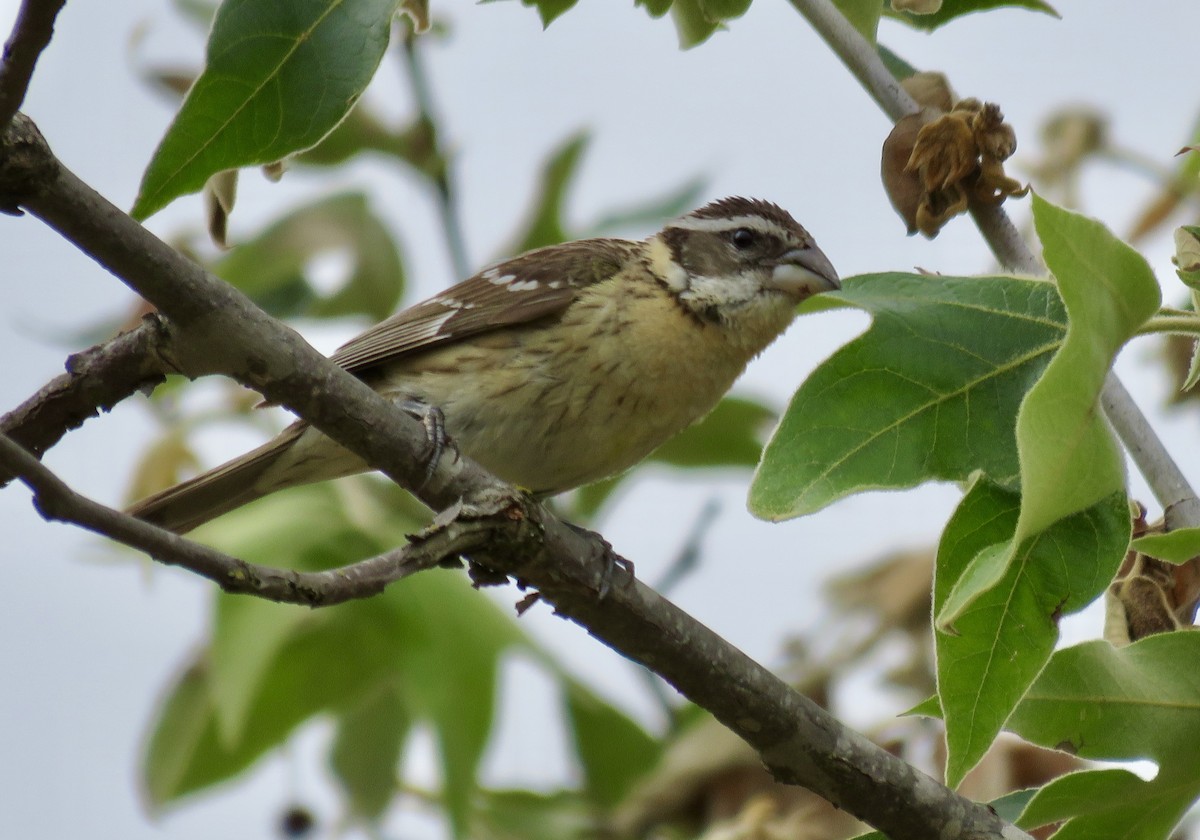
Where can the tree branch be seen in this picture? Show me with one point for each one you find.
(30, 35)
(96, 380)
(219, 329)
(55, 501)
(1168, 483)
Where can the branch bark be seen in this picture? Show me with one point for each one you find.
(96, 380)
(30, 35)
(216, 329)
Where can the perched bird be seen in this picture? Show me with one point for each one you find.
(563, 365)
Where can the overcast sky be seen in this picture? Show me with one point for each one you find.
(90, 638)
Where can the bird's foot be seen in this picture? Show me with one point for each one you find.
(436, 439)
(610, 560)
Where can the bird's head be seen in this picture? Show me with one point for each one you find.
(740, 253)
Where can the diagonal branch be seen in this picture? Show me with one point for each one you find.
(220, 330)
(1168, 483)
(30, 35)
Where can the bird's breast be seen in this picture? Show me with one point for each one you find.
(553, 409)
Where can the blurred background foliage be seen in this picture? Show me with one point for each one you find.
(425, 655)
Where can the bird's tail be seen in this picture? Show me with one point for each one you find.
(277, 464)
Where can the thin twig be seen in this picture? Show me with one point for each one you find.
(1168, 483)
(31, 34)
(443, 179)
(1180, 506)
(58, 502)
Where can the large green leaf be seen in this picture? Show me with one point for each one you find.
(1069, 459)
(952, 9)
(1003, 641)
(278, 77)
(1104, 703)
(929, 392)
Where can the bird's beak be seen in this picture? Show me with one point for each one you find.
(804, 271)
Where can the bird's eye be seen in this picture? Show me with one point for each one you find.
(743, 238)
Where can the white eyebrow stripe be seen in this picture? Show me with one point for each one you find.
(727, 223)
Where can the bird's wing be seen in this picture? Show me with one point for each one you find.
(534, 285)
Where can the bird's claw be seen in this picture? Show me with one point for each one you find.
(434, 423)
(609, 559)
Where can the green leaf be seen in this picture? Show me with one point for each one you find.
(325, 665)
(952, 9)
(1137, 702)
(1178, 546)
(1003, 641)
(693, 23)
(366, 751)
(197, 12)
(278, 77)
(273, 268)
(548, 10)
(1069, 459)
(654, 8)
(863, 15)
(1007, 808)
(184, 719)
(525, 815)
(730, 436)
(450, 662)
(613, 750)
(1085, 792)
(724, 9)
(247, 636)
(929, 392)
(361, 131)
(432, 638)
(1187, 254)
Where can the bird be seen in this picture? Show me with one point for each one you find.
(561, 366)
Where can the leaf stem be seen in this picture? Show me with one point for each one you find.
(1187, 324)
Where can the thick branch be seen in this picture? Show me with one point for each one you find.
(218, 329)
(30, 35)
(1168, 483)
(96, 380)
